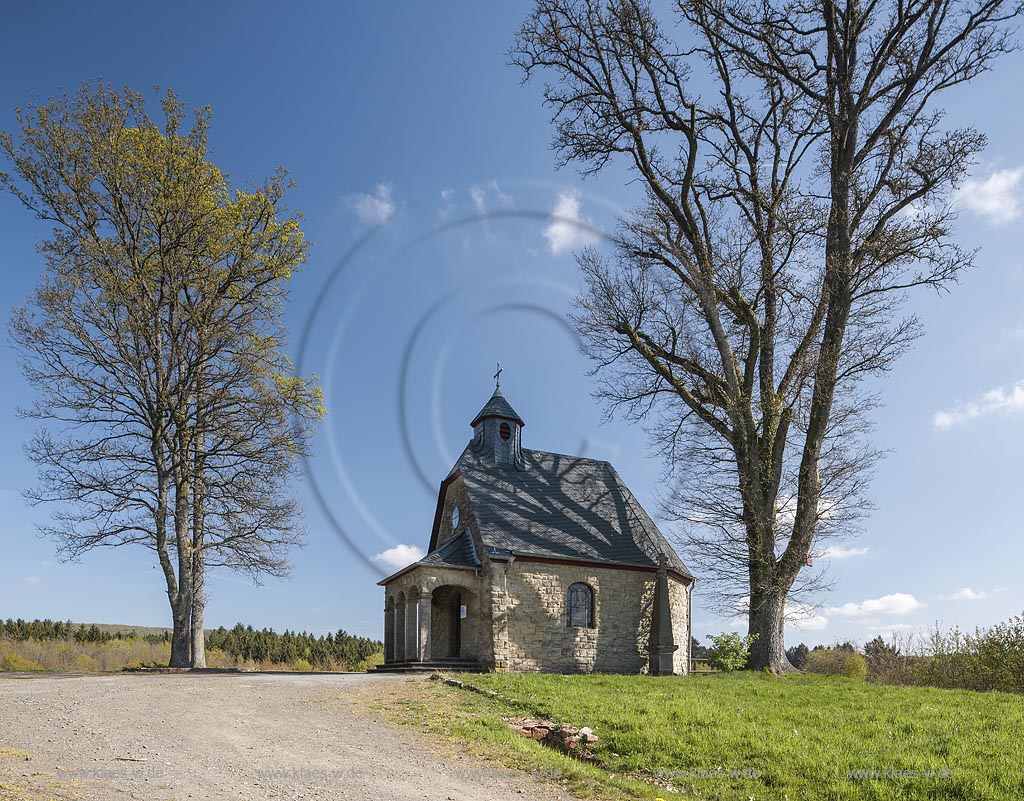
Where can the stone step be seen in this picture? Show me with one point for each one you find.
(460, 665)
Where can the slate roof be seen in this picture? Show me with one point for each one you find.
(548, 505)
(497, 406)
(458, 551)
(558, 506)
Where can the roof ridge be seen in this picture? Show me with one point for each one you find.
(569, 456)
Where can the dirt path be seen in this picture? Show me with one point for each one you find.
(213, 737)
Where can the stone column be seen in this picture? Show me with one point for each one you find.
(399, 628)
(389, 631)
(425, 599)
(411, 632)
(661, 647)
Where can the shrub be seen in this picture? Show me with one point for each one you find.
(16, 663)
(855, 667)
(729, 651)
(369, 663)
(301, 665)
(86, 664)
(887, 662)
(216, 658)
(828, 660)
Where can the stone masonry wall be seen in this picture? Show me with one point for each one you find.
(456, 494)
(680, 629)
(528, 608)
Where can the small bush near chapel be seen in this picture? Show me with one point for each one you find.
(855, 667)
(729, 651)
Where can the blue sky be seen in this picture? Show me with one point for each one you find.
(426, 180)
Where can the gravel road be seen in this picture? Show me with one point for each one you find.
(231, 736)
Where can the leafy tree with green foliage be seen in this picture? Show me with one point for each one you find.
(171, 417)
(729, 651)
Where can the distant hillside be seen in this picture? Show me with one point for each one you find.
(142, 631)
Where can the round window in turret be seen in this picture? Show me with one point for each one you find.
(505, 430)
(455, 517)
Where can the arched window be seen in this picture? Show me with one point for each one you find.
(580, 605)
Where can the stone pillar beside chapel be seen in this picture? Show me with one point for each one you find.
(411, 629)
(662, 643)
(424, 627)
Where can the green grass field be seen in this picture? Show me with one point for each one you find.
(795, 738)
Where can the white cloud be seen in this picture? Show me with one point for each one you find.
(479, 199)
(915, 210)
(568, 228)
(400, 556)
(801, 616)
(897, 603)
(785, 510)
(997, 198)
(839, 552)
(504, 200)
(804, 617)
(995, 401)
(447, 199)
(490, 191)
(1014, 334)
(33, 580)
(377, 208)
(967, 594)
(890, 630)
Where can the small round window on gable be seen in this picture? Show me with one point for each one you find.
(505, 430)
(455, 517)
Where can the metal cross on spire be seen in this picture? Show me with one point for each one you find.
(497, 376)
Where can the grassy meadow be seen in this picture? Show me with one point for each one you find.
(740, 736)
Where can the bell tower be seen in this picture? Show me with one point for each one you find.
(497, 429)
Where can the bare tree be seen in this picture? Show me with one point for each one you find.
(153, 343)
(797, 181)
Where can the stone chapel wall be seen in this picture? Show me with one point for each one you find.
(528, 609)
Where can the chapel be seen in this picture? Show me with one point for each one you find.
(538, 561)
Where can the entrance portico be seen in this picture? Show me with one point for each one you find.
(433, 618)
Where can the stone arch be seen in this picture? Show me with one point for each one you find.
(456, 624)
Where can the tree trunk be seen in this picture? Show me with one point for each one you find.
(198, 534)
(181, 641)
(767, 619)
(198, 608)
(177, 596)
(181, 611)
